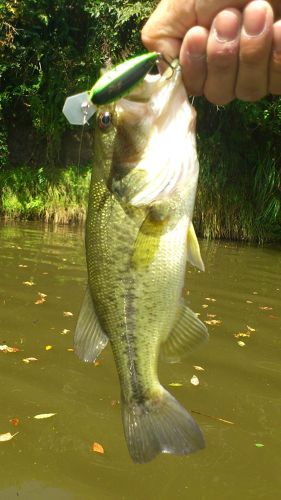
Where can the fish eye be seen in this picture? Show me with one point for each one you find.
(105, 120)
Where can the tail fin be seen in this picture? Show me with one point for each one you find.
(159, 425)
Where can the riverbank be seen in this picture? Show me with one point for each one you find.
(51, 195)
(227, 206)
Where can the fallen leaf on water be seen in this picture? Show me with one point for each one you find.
(6, 348)
(255, 293)
(271, 316)
(48, 347)
(242, 334)
(28, 360)
(97, 363)
(7, 437)
(205, 306)
(251, 329)
(265, 308)
(14, 421)
(199, 368)
(259, 445)
(28, 283)
(212, 321)
(249, 301)
(44, 415)
(241, 343)
(23, 265)
(194, 380)
(97, 448)
(211, 315)
(114, 402)
(67, 313)
(40, 300)
(70, 349)
(64, 332)
(175, 384)
(210, 299)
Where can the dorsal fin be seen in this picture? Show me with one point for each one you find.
(89, 339)
(187, 334)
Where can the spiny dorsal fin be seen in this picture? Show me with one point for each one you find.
(193, 249)
(187, 334)
(89, 339)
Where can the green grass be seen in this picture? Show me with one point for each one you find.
(234, 201)
(58, 195)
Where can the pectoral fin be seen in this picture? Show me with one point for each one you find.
(89, 339)
(187, 334)
(193, 249)
(147, 241)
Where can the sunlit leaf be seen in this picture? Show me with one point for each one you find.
(14, 421)
(175, 384)
(7, 436)
(199, 368)
(194, 380)
(97, 448)
(67, 313)
(70, 349)
(48, 347)
(44, 415)
(29, 360)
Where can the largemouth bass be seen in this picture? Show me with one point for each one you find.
(139, 235)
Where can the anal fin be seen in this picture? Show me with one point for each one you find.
(187, 334)
(89, 339)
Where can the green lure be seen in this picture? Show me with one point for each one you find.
(120, 80)
(114, 84)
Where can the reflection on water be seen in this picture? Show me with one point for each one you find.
(239, 293)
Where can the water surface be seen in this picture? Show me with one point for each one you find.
(239, 292)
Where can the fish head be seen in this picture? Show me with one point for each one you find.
(146, 141)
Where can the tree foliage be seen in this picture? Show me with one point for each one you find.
(52, 49)
(49, 50)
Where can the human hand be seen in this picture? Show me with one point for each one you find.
(221, 57)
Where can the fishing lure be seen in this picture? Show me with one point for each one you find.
(114, 84)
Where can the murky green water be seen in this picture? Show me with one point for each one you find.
(241, 384)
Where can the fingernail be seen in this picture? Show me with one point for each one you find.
(226, 26)
(255, 18)
(196, 49)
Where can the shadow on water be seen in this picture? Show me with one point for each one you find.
(239, 294)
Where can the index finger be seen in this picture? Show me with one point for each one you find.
(167, 26)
